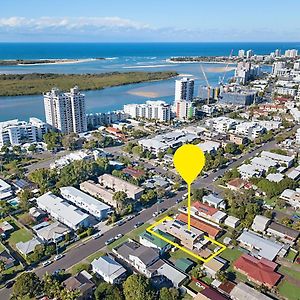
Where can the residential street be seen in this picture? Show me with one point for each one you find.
(75, 255)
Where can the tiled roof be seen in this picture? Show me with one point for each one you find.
(258, 270)
(205, 227)
(204, 208)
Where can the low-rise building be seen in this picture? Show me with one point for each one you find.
(214, 201)
(175, 276)
(260, 271)
(245, 292)
(144, 259)
(84, 201)
(232, 222)
(110, 270)
(96, 190)
(7, 259)
(53, 232)
(260, 223)
(261, 247)
(208, 212)
(279, 158)
(211, 230)
(6, 227)
(213, 266)
(291, 197)
(28, 247)
(149, 240)
(190, 239)
(116, 184)
(81, 282)
(5, 190)
(210, 147)
(250, 130)
(285, 234)
(63, 211)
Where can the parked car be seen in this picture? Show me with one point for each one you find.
(138, 224)
(97, 235)
(46, 263)
(58, 257)
(155, 214)
(118, 236)
(109, 241)
(10, 284)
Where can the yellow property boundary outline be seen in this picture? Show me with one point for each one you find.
(167, 218)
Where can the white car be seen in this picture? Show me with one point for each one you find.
(46, 263)
(58, 257)
(118, 236)
(96, 235)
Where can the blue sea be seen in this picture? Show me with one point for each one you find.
(121, 57)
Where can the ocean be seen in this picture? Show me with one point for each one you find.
(121, 57)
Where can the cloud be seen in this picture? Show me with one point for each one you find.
(67, 23)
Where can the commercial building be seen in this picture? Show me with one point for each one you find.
(291, 53)
(260, 223)
(63, 211)
(260, 246)
(151, 110)
(285, 234)
(15, 132)
(260, 271)
(116, 184)
(84, 201)
(246, 71)
(66, 111)
(110, 270)
(96, 190)
(184, 89)
(239, 98)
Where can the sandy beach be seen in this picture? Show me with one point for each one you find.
(60, 62)
(143, 94)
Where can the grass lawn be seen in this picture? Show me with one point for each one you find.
(177, 254)
(288, 290)
(192, 285)
(288, 271)
(1, 247)
(21, 235)
(291, 256)
(231, 254)
(95, 256)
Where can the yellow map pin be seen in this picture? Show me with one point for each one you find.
(189, 161)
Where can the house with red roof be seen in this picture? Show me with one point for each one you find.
(210, 230)
(135, 173)
(209, 212)
(260, 271)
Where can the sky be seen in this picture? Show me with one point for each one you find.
(149, 21)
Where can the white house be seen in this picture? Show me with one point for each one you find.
(110, 270)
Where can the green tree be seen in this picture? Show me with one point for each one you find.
(122, 199)
(51, 287)
(53, 140)
(32, 148)
(69, 141)
(168, 294)
(27, 284)
(148, 197)
(231, 148)
(106, 291)
(137, 287)
(24, 197)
